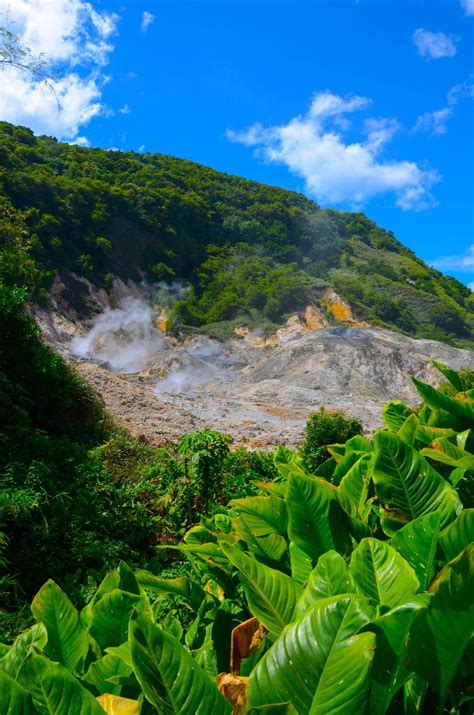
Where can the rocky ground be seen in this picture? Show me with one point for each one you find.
(263, 398)
(259, 391)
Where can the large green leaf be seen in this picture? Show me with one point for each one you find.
(442, 450)
(454, 377)
(462, 438)
(14, 699)
(271, 594)
(389, 672)
(277, 489)
(288, 462)
(345, 465)
(319, 664)
(353, 488)
(316, 520)
(408, 486)
(110, 616)
(170, 678)
(67, 640)
(414, 694)
(55, 690)
(181, 586)
(262, 523)
(301, 564)
(100, 672)
(36, 636)
(426, 434)
(460, 407)
(122, 651)
(280, 709)
(417, 542)
(394, 414)
(457, 535)
(440, 636)
(122, 578)
(382, 574)
(330, 577)
(408, 430)
(264, 515)
(269, 546)
(359, 443)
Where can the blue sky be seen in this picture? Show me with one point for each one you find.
(360, 104)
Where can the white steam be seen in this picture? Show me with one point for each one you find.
(182, 381)
(201, 361)
(127, 340)
(124, 339)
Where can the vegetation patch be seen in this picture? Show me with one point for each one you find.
(245, 250)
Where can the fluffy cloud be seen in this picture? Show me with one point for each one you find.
(435, 122)
(468, 6)
(81, 141)
(463, 262)
(336, 171)
(434, 45)
(147, 20)
(76, 40)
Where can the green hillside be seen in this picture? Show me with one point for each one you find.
(247, 251)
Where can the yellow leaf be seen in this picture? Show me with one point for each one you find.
(115, 705)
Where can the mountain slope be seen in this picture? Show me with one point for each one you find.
(261, 394)
(248, 252)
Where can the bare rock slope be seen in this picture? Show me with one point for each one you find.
(262, 394)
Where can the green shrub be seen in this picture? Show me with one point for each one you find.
(323, 428)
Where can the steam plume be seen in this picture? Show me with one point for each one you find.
(124, 339)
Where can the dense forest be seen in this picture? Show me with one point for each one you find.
(246, 251)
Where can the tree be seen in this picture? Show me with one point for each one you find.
(449, 320)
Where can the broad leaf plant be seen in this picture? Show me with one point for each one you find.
(343, 592)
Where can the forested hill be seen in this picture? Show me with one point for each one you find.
(247, 251)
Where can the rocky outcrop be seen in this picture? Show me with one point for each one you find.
(263, 395)
(258, 389)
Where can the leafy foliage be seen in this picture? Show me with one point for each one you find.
(366, 629)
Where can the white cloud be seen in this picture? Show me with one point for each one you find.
(147, 20)
(31, 103)
(68, 31)
(336, 171)
(125, 109)
(75, 39)
(468, 6)
(141, 148)
(463, 262)
(434, 45)
(435, 122)
(460, 91)
(80, 141)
